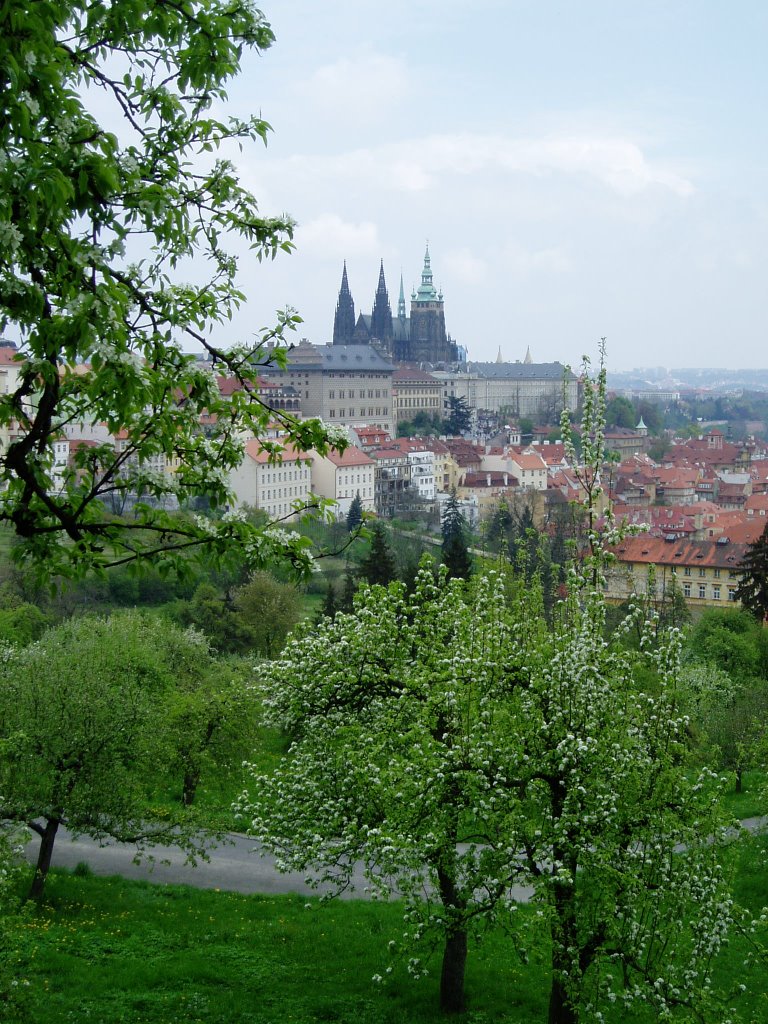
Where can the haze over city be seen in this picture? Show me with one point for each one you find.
(579, 170)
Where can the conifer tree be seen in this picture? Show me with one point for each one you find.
(455, 551)
(752, 590)
(378, 566)
(355, 513)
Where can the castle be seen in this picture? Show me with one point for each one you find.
(419, 338)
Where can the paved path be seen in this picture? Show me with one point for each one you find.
(235, 866)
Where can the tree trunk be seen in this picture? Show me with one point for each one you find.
(561, 1010)
(455, 950)
(452, 973)
(739, 780)
(189, 789)
(47, 838)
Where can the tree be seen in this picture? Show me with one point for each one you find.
(109, 184)
(752, 590)
(457, 747)
(355, 513)
(395, 759)
(455, 550)
(211, 722)
(620, 412)
(84, 720)
(459, 415)
(269, 610)
(378, 566)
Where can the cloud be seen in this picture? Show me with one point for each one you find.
(354, 88)
(618, 164)
(333, 238)
(464, 266)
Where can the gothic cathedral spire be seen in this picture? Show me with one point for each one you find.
(344, 320)
(381, 317)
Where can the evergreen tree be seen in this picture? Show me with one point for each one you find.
(329, 604)
(455, 551)
(355, 514)
(459, 415)
(348, 591)
(378, 566)
(752, 590)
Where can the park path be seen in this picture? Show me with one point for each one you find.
(236, 865)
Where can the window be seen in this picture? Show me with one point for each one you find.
(686, 590)
(687, 571)
(332, 393)
(716, 574)
(702, 572)
(731, 593)
(702, 590)
(342, 394)
(716, 592)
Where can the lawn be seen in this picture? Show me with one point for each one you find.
(113, 952)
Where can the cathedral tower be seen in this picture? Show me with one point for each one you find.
(344, 320)
(381, 317)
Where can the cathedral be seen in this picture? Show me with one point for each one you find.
(419, 338)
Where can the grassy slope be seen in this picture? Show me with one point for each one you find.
(115, 952)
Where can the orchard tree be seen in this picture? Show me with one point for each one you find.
(397, 714)
(111, 119)
(268, 610)
(457, 745)
(84, 716)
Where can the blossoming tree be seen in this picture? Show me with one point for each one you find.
(458, 746)
(110, 124)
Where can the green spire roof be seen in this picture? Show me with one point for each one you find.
(427, 291)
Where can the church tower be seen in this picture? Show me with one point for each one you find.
(381, 317)
(344, 320)
(428, 341)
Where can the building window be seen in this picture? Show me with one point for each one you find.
(731, 593)
(716, 592)
(686, 590)
(702, 572)
(716, 574)
(702, 590)
(687, 571)
(332, 393)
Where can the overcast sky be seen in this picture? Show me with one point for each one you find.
(580, 168)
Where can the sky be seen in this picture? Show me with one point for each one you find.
(580, 169)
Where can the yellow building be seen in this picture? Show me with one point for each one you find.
(706, 572)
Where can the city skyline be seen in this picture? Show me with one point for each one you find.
(579, 172)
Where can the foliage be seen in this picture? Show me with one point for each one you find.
(459, 415)
(110, 184)
(378, 566)
(619, 412)
(452, 741)
(355, 513)
(455, 550)
(731, 639)
(22, 624)
(85, 722)
(211, 721)
(268, 610)
(752, 590)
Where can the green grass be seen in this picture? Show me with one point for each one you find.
(113, 952)
(110, 951)
(752, 801)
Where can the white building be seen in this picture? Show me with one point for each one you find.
(274, 487)
(423, 474)
(340, 477)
